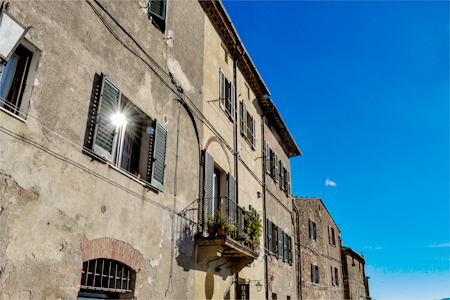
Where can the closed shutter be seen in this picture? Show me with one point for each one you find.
(318, 275)
(288, 183)
(222, 89)
(285, 250)
(275, 159)
(231, 187)
(269, 236)
(159, 157)
(332, 275)
(243, 118)
(233, 102)
(157, 8)
(329, 235)
(267, 157)
(105, 137)
(208, 182)
(291, 250)
(280, 242)
(253, 133)
(281, 175)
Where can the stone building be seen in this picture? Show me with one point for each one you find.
(356, 284)
(123, 127)
(318, 251)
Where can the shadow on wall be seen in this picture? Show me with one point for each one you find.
(209, 284)
(185, 231)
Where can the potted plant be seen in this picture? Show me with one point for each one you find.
(220, 225)
(253, 228)
(200, 228)
(210, 225)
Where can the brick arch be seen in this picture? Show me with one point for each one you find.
(215, 139)
(111, 249)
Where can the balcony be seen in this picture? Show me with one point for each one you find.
(231, 232)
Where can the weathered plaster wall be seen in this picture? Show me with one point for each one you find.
(51, 193)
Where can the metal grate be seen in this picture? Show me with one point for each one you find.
(106, 275)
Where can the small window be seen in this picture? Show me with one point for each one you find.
(315, 274)
(248, 125)
(274, 296)
(312, 230)
(16, 80)
(108, 279)
(332, 236)
(157, 13)
(224, 53)
(336, 276)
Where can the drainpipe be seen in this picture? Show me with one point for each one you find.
(236, 144)
(266, 261)
(298, 261)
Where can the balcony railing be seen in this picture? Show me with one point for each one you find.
(237, 221)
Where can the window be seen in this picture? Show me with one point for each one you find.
(315, 274)
(268, 157)
(282, 186)
(285, 247)
(332, 236)
(126, 137)
(274, 296)
(225, 53)
(157, 13)
(248, 125)
(287, 182)
(269, 237)
(274, 164)
(16, 79)
(107, 279)
(334, 276)
(227, 96)
(312, 230)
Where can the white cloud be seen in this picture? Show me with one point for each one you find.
(440, 245)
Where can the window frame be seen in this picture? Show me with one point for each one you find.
(158, 20)
(27, 82)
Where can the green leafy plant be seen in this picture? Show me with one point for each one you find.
(253, 227)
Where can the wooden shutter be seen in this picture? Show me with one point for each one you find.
(208, 179)
(243, 118)
(285, 252)
(313, 273)
(222, 89)
(281, 175)
(105, 137)
(267, 157)
(288, 183)
(318, 275)
(233, 102)
(231, 187)
(159, 157)
(280, 242)
(291, 250)
(157, 8)
(269, 236)
(275, 159)
(253, 133)
(332, 275)
(311, 234)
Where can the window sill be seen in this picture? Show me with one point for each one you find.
(138, 180)
(13, 115)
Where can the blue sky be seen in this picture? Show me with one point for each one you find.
(364, 89)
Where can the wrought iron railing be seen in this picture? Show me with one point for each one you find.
(226, 211)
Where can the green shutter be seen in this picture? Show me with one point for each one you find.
(105, 136)
(253, 133)
(267, 157)
(231, 187)
(222, 84)
(233, 102)
(159, 157)
(280, 242)
(288, 183)
(243, 118)
(291, 250)
(208, 182)
(269, 236)
(281, 175)
(285, 252)
(275, 163)
(157, 8)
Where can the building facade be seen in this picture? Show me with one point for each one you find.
(356, 284)
(318, 241)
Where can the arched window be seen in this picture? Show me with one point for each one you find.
(106, 279)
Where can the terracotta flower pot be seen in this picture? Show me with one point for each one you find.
(211, 232)
(222, 232)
